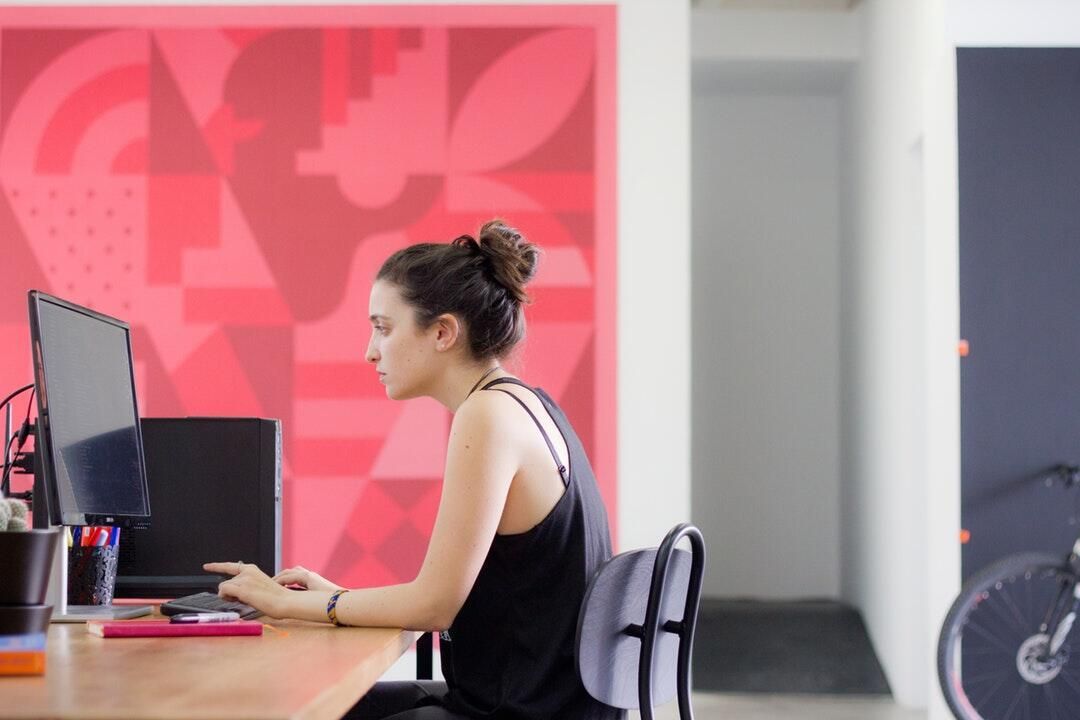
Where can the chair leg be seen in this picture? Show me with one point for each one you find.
(424, 656)
(690, 613)
(686, 710)
(684, 629)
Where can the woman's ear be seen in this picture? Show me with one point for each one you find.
(448, 331)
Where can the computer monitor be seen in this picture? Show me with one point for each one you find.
(88, 438)
(88, 456)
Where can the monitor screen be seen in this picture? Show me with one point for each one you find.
(88, 437)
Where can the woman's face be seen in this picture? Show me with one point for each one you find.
(403, 354)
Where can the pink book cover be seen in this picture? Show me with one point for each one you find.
(164, 628)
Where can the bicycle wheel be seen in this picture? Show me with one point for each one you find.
(992, 660)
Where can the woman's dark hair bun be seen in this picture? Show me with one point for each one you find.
(512, 258)
(481, 279)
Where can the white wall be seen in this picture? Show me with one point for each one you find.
(900, 403)
(1005, 23)
(654, 269)
(784, 37)
(765, 346)
(899, 497)
(898, 318)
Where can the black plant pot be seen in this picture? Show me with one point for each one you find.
(24, 619)
(26, 559)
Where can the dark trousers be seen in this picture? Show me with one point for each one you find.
(409, 700)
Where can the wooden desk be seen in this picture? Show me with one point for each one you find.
(306, 671)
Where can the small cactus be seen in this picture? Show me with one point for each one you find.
(12, 515)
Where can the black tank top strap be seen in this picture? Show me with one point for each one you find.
(511, 380)
(547, 439)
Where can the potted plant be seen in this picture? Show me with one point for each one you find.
(26, 558)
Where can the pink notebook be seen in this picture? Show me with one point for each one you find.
(164, 628)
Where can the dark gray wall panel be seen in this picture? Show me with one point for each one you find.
(1019, 163)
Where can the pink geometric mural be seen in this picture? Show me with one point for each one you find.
(228, 180)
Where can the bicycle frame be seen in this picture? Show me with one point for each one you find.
(1062, 614)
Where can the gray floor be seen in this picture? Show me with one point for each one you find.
(803, 647)
(717, 706)
(730, 706)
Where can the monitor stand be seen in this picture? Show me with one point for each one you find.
(56, 595)
(83, 613)
(64, 613)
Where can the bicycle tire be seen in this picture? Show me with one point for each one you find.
(1002, 608)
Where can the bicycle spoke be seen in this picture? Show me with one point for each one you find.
(987, 635)
(980, 651)
(1022, 624)
(1027, 592)
(1071, 681)
(1005, 621)
(1013, 704)
(1059, 599)
(975, 679)
(987, 696)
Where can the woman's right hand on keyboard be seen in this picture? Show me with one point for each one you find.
(305, 578)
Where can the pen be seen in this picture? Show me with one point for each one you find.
(216, 617)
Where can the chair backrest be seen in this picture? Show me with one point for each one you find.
(635, 632)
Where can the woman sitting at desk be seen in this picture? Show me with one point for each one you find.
(521, 527)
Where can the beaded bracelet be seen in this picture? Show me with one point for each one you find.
(331, 606)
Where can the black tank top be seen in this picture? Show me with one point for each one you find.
(509, 654)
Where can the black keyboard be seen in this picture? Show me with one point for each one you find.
(208, 602)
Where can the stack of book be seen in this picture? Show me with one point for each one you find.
(22, 654)
(165, 628)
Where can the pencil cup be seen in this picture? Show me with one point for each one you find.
(91, 574)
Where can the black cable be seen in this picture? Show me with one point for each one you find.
(7, 453)
(26, 420)
(7, 465)
(15, 394)
(21, 435)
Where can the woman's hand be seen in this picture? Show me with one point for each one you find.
(250, 585)
(306, 579)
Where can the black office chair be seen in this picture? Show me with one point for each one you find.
(636, 629)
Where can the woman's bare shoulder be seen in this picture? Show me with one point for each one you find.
(486, 409)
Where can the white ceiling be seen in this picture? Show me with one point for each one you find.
(800, 5)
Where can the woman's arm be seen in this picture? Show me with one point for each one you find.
(482, 458)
